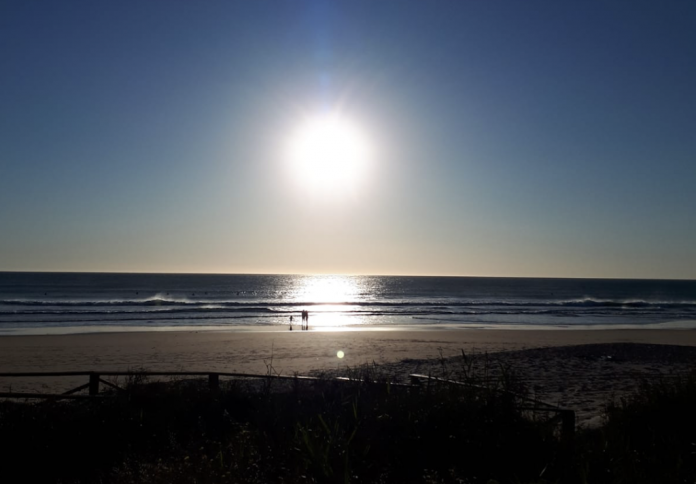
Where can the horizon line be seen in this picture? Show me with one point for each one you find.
(342, 275)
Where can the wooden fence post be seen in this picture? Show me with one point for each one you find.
(568, 425)
(93, 383)
(568, 475)
(214, 381)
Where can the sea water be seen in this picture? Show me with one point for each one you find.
(54, 303)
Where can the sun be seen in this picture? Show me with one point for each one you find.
(329, 153)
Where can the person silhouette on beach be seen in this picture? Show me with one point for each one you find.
(290, 323)
(305, 319)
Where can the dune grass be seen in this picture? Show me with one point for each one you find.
(368, 429)
(648, 437)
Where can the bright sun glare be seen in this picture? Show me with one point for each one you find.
(328, 153)
(332, 298)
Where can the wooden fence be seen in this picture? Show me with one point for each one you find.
(95, 378)
(566, 416)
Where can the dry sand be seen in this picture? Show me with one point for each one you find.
(581, 378)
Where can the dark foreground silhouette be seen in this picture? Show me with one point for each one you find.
(328, 431)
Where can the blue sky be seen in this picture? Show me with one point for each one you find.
(508, 138)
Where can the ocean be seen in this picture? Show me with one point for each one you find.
(62, 303)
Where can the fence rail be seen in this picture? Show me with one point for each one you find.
(564, 415)
(95, 378)
(567, 416)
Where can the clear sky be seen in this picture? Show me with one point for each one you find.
(503, 138)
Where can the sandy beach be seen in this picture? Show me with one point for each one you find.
(290, 351)
(557, 364)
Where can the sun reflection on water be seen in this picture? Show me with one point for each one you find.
(328, 289)
(329, 299)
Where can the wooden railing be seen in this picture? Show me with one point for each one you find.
(95, 378)
(565, 416)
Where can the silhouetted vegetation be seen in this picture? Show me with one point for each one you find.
(331, 431)
(647, 437)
